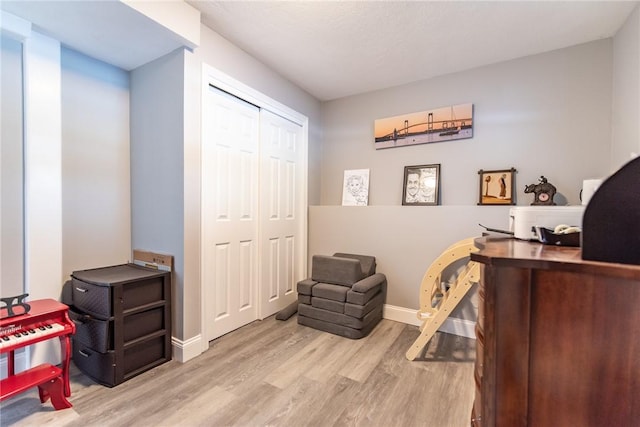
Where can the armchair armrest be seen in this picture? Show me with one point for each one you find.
(369, 283)
(304, 286)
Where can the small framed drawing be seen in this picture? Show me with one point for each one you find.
(497, 187)
(355, 191)
(421, 185)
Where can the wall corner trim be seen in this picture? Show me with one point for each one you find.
(14, 27)
(183, 351)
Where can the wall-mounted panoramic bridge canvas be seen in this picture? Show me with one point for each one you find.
(438, 125)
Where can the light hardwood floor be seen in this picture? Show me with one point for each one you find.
(278, 373)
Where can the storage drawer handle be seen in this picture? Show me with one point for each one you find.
(81, 289)
(83, 353)
(82, 319)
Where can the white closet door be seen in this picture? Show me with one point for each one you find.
(229, 212)
(282, 211)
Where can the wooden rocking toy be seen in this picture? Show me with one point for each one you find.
(438, 299)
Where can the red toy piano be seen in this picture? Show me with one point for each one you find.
(46, 319)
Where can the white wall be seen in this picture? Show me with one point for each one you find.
(76, 147)
(626, 92)
(42, 177)
(548, 114)
(96, 210)
(76, 182)
(11, 177)
(11, 183)
(42, 166)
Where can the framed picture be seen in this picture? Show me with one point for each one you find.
(497, 187)
(425, 127)
(355, 190)
(421, 185)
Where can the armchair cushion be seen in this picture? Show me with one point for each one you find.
(341, 319)
(359, 311)
(339, 329)
(304, 299)
(336, 270)
(328, 291)
(360, 298)
(327, 304)
(367, 262)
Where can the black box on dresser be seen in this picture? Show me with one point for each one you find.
(123, 320)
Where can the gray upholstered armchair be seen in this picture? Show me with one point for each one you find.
(344, 295)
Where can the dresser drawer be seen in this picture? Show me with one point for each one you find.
(143, 292)
(99, 366)
(141, 324)
(145, 355)
(92, 299)
(92, 332)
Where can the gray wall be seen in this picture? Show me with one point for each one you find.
(548, 114)
(96, 212)
(157, 167)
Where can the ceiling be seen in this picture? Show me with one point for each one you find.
(334, 49)
(109, 30)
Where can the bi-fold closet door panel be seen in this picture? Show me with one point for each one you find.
(281, 211)
(251, 212)
(229, 211)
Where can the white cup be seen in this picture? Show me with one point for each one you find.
(589, 186)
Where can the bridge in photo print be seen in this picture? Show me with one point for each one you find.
(422, 128)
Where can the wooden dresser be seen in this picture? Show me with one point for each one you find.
(558, 338)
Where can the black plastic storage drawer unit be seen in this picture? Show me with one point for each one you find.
(91, 332)
(123, 319)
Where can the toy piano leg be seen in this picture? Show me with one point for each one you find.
(54, 390)
(65, 346)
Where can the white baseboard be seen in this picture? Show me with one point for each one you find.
(184, 351)
(401, 314)
(461, 327)
(453, 325)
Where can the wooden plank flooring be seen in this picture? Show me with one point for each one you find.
(275, 373)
